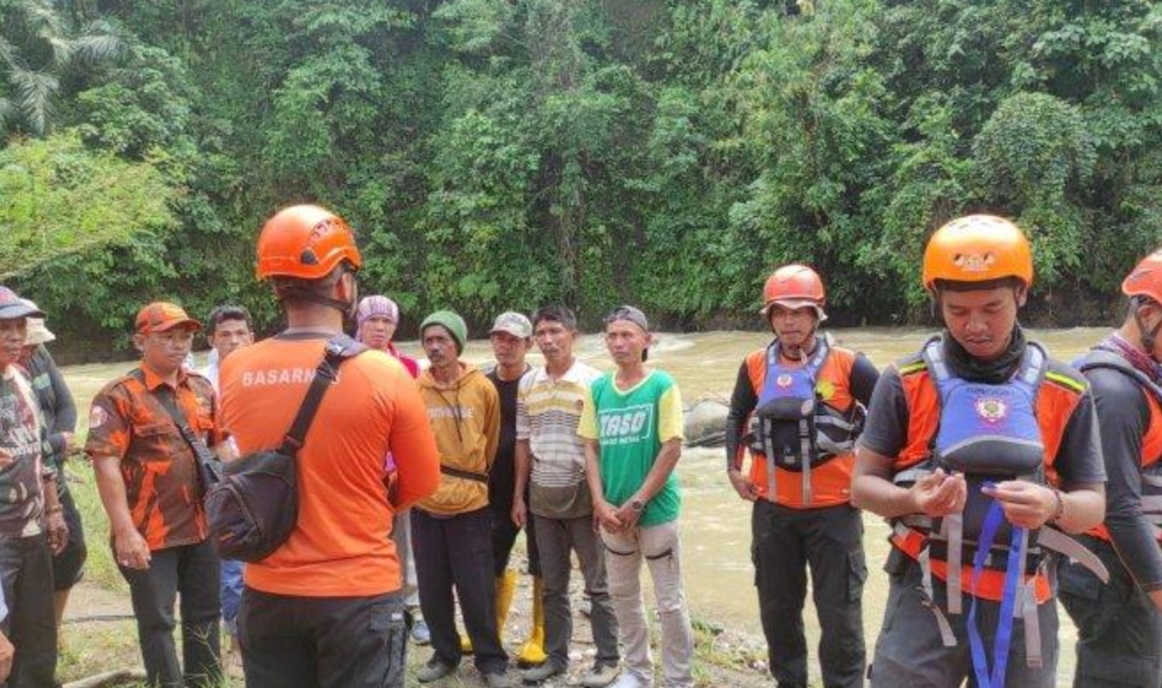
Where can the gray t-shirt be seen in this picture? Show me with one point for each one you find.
(1124, 413)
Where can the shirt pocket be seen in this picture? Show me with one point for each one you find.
(153, 441)
(205, 428)
(204, 420)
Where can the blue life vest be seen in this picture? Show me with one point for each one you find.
(988, 432)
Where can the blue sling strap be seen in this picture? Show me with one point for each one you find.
(1013, 574)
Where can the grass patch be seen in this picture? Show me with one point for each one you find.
(715, 649)
(91, 648)
(100, 569)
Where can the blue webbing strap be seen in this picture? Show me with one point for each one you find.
(1013, 574)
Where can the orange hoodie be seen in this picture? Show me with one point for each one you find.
(465, 417)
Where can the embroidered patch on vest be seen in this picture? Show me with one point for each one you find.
(992, 410)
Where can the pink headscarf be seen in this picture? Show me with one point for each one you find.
(372, 306)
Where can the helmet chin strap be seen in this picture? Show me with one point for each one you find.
(801, 351)
(1149, 337)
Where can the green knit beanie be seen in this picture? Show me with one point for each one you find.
(451, 322)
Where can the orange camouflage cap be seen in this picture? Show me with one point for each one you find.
(160, 316)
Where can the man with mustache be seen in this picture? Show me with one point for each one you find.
(798, 406)
(551, 476)
(453, 527)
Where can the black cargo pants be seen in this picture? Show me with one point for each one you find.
(828, 542)
(1119, 630)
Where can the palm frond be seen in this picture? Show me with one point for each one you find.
(36, 90)
(8, 52)
(43, 19)
(62, 51)
(97, 48)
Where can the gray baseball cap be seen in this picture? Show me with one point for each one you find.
(12, 306)
(629, 314)
(513, 323)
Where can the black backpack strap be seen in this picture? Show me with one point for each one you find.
(210, 467)
(339, 348)
(1104, 358)
(463, 474)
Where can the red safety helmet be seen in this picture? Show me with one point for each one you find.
(305, 242)
(794, 286)
(1145, 281)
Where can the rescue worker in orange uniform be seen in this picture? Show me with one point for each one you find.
(798, 406)
(980, 450)
(327, 609)
(1119, 626)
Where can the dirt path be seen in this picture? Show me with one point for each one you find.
(99, 635)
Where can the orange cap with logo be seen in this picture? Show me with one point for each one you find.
(160, 316)
(794, 286)
(1146, 278)
(305, 242)
(977, 248)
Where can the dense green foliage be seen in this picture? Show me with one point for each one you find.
(502, 154)
(63, 199)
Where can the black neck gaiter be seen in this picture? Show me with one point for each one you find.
(999, 370)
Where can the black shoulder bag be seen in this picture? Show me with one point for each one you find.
(255, 508)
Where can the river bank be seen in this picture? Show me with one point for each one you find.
(716, 537)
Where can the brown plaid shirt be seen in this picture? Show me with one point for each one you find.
(128, 421)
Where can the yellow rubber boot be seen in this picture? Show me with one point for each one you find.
(505, 588)
(533, 652)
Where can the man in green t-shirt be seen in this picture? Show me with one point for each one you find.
(632, 426)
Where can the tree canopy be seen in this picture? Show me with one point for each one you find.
(496, 155)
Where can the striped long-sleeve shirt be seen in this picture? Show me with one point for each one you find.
(547, 413)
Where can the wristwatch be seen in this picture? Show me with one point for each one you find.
(637, 505)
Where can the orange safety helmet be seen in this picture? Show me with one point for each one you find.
(978, 248)
(794, 286)
(1146, 278)
(305, 242)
